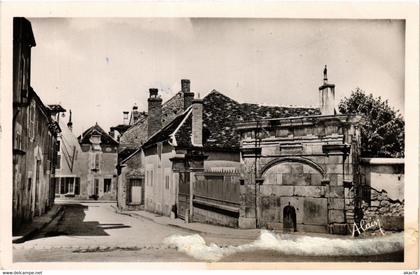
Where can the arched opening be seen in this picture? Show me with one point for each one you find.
(289, 218)
(302, 160)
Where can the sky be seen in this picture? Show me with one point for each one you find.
(100, 67)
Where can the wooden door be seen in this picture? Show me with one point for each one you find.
(183, 194)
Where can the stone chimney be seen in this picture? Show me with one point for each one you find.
(134, 114)
(186, 92)
(154, 112)
(125, 117)
(197, 122)
(327, 96)
(70, 123)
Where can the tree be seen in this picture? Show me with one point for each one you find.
(382, 133)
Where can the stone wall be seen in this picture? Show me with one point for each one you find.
(385, 177)
(160, 197)
(133, 170)
(304, 162)
(33, 190)
(212, 217)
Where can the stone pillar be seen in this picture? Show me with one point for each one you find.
(247, 213)
(327, 96)
(327, 99)
(154, 112)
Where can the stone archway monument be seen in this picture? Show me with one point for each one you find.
(308, 162)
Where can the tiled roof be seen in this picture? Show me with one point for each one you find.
(172, 108)
(220, 115)
(136, 135)
(165, 132)
(96, 129)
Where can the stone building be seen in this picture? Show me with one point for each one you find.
(304, 164)
(307, 174)
(97, 163)
(131, 170)
(34, 135)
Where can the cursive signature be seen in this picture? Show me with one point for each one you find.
(366, 225)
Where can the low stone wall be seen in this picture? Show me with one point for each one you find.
(211, 217)
(388, 211)
(385, 176)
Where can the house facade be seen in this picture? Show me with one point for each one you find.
(131, 164)
(68, 172)
(34, 135)
(97, 164)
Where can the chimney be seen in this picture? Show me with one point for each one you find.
(327, 96)
(70, 123)
(197, 122)
(186, 93)
(154, 112)
(125, 117)
(134, 114)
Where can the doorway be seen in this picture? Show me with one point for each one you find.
(37, 202)
(135, 191)
(96, 188)
(289, 219)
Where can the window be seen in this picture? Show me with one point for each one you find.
(18, 136)
(29, 183)
(62, 186)
(96, 161)
(58, 163)
(167, 182)
(107, 185)
(24, 72)
(151, 178)
(18, 141)
(77, 187)
(69, 185)
(31, 123)
(57, 185)
(96, 187)
(57, 148)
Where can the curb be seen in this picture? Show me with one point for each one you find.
(60, 201)
(28, 235)
(136, 215)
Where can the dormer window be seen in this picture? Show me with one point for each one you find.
(96, 142)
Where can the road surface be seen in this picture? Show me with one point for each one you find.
(95, 232)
